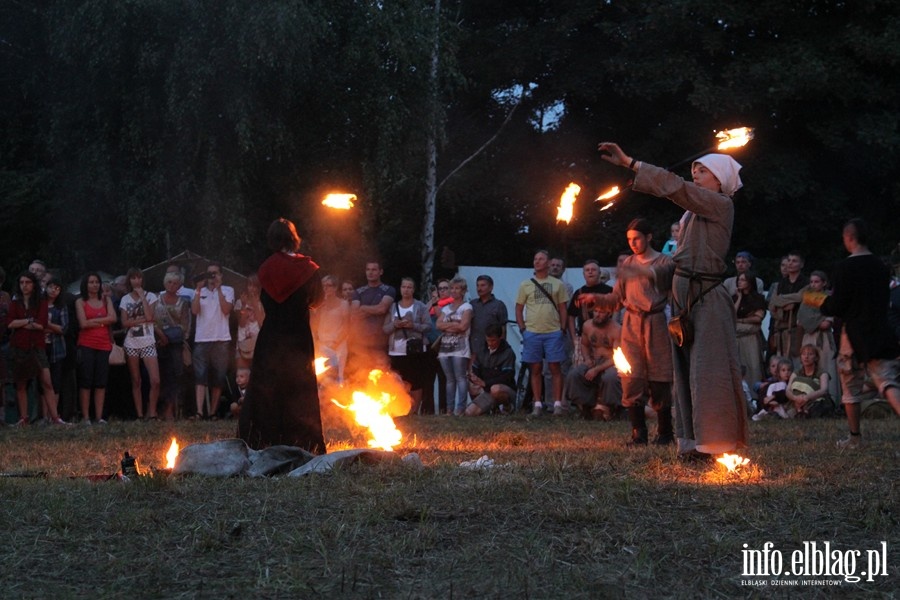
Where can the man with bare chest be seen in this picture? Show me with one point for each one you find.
(594, 385)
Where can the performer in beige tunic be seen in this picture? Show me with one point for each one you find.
(711, 416)
(642, 289)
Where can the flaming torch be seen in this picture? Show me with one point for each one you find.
(609, 195)
(728, 139)
(734, 138)
(567, 202)
(339, 201)
(622, 365)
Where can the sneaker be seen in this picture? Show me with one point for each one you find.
(86, 422)
(59, 421)
(101, 422)
(537, 410)
(851, 442)
(760, 415)
(22, 423)
(558, 410)
(779, 410)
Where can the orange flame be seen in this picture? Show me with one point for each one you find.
(612, 193)
(620, 361)
(733, 462)
(341, 201)
(734, 138)
(567, 202)
(370, 410)
(172, 454)
(321, 365)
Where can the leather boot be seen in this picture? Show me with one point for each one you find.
(638, 426)
(664, 433)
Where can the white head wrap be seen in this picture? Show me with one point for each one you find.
(725, 169)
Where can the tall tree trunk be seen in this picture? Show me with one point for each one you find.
(431, 186)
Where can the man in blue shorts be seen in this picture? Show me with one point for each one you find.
(541, 315)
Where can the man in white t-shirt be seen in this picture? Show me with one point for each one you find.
(211, 306)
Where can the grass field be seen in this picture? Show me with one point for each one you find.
(571, 513)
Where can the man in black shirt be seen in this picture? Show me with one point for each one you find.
(867, 346)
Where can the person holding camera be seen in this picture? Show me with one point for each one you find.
(211, 306)
(406, 324)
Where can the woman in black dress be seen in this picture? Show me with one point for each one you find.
(282, 402)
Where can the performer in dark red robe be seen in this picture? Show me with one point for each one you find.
(282, 401)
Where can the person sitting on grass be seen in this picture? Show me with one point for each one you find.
(597, 376)
(775, 402)
(808, 387)
(492, 380)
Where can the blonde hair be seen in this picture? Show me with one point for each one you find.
(173, 277)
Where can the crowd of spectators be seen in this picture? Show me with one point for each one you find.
(184, 343)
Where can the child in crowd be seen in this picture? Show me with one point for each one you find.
(251, 315)
(759, 388)
(670, 246)
(776, 402)
(242, 379)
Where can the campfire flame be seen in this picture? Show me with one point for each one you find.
(341, 201)
(566, 203)
(370, 411)
(321, 365)
(620, 361)
(172, 454)
(734, 138)
(733, 462)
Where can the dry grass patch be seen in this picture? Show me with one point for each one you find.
(568, 512)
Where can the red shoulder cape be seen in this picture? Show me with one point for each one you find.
(283, 274)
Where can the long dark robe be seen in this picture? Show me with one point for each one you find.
(282, 402)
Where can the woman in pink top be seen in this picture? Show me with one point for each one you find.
(95, 315)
